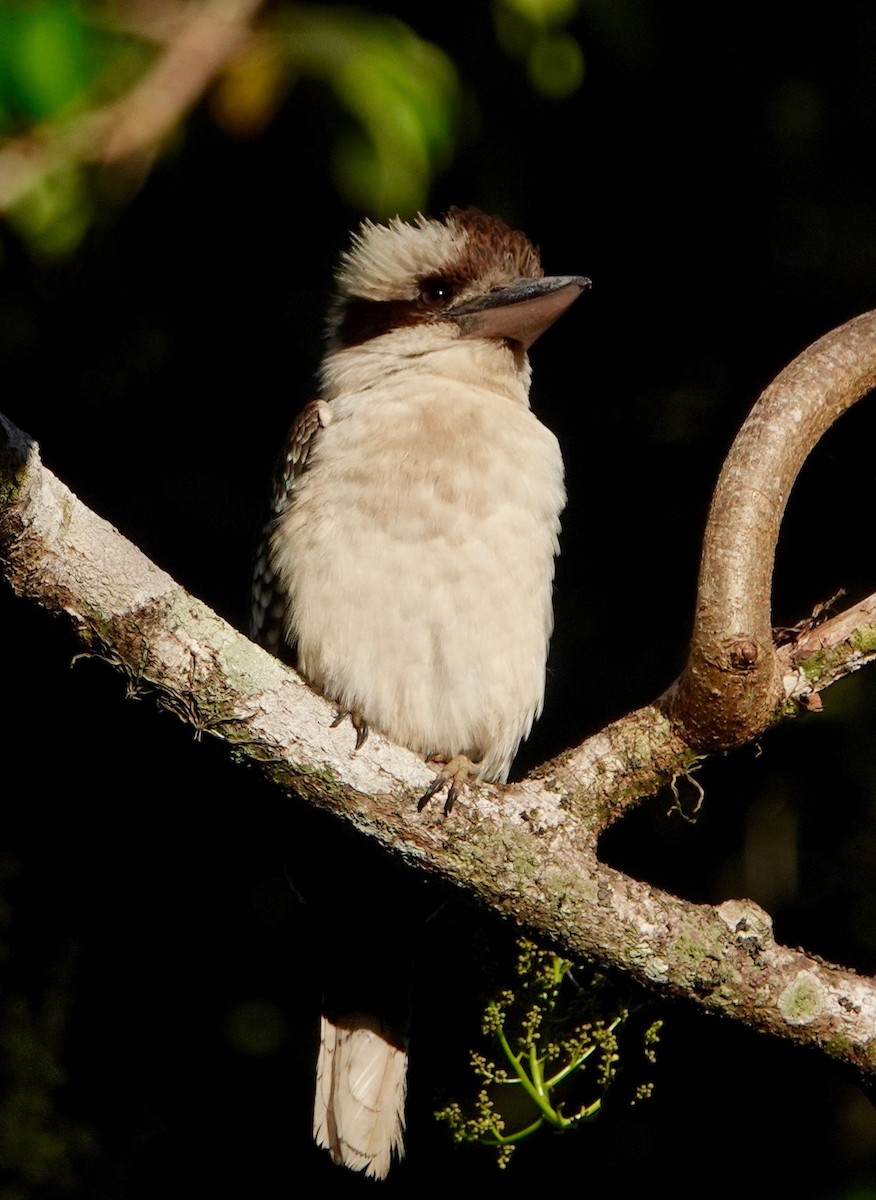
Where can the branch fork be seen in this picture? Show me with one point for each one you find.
(527, 850)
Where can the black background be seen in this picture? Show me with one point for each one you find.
(715, 177)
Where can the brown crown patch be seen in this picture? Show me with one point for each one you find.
(492, 246)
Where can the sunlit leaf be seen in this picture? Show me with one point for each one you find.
(49, 58)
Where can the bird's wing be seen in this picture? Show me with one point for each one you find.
(268, 603)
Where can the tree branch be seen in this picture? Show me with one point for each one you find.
(132, 127)
(527, 850)
(732, 684)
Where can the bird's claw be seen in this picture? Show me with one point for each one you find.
(453, 775)
(358, 722)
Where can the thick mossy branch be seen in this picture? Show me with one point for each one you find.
(527, 850)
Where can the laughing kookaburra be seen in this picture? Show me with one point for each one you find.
(409, 562)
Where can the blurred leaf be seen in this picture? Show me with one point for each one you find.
(556, 66)
(542, 13)
(522, 24)
(251, 89)
(55, 215)
(402, 92)
(53, 57)
(42, 58)
(531, 30)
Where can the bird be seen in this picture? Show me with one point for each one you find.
(407, 567)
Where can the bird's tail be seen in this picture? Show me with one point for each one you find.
(361, 1080)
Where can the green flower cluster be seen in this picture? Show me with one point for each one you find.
(555, 1048)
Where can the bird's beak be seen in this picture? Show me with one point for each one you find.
(520, 312)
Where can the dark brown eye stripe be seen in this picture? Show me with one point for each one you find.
(361, 320)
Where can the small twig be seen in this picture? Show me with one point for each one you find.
(133, 127)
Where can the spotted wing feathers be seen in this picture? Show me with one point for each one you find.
(268, 602)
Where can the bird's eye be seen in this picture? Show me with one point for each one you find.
(436, 291)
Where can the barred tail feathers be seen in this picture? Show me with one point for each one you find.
(361, 1081)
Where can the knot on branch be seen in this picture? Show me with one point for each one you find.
(743, 654)
(727, 699)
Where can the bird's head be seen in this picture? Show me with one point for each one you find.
(409, 290)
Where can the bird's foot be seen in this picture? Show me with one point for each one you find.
(357, 720)
(454, 774)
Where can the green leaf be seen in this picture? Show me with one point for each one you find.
(43, 58)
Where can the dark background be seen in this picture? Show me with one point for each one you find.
(715, 177)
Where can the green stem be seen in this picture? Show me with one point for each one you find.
(573, 1066)
(567, 1071)
(532, 1091)
(501, 1139)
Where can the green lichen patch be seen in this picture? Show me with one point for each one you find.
(863, 640)
(248, 673)
(801, 1001)
(840, 1047)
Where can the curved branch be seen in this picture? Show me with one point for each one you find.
(732, 682)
